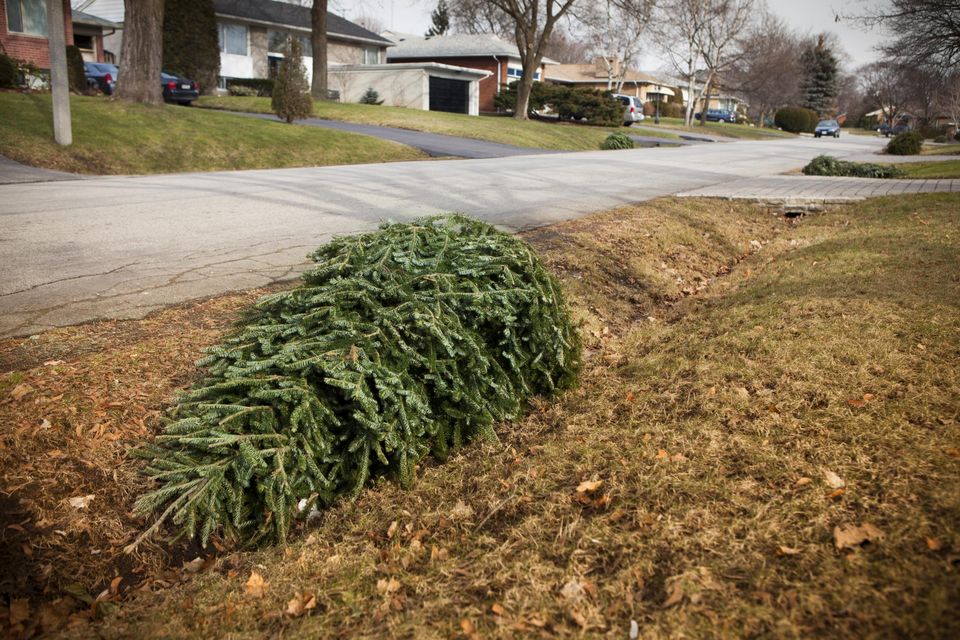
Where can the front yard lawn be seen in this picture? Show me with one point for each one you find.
(533, 134)
(740, 131)
(946, 169)
(113, 137)
(940, 150)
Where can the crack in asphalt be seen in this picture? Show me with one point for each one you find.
(59, 280)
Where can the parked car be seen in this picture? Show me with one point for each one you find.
(827, 128)
(718, 115)
(632, 108)
(893, 130)
(179, 89)
(102, 76)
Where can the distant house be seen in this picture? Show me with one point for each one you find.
(23, 32)
(253, 35)
(483, 52)
(596, 76)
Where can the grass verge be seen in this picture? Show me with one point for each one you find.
(940, 150)
(112, 137)
(946, 169)
(740, 370)
(725, 129)
(533, 134)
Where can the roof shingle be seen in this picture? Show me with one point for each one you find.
(291, 15)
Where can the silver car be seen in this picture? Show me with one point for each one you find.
(632, 108)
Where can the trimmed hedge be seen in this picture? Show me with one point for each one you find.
(907, 143)
(262, 87)
(829, 166)
(796, 119)
(399, 343)
(617, 140)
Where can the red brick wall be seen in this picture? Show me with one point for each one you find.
(488, 85)
(32, 49)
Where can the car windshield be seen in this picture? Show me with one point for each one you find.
(827, 123)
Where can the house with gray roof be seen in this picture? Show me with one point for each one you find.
(483, 52)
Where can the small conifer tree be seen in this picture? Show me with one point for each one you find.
(371, 97)
(440, 20)
(291, 91)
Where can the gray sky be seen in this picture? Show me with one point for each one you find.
(805, 16)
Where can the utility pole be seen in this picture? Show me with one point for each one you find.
(57, 44)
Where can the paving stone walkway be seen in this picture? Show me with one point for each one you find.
(816, 188)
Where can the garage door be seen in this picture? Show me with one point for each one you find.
(449, 95)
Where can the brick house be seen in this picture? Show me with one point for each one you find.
(485, 52)
(23, 30)
(596, 76)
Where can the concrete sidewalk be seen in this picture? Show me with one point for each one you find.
(12, 172)
(817, 188)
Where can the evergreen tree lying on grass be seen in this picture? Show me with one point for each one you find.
(399, 343)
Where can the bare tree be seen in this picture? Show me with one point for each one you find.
(533, 23)
(680, 26)
(719, 43)
(767, 73)
(141, 52)
(615, 29)
(566, 48)
(885, 87)
(927, 32)
(370, 22)
(479, 16)
(318, 42)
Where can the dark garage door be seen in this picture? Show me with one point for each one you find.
(449, 95)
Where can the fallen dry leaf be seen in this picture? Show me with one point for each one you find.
(712, 391)
(849, 536)
(301, 603)
(933, 544)
(801, 482)
(468, 629)
(675, 597)
(497, 608)
(392, 529)
(19, 391)
(787, 551)
(461, 511)
(832, 479)
(388, 585)
(115, 585)
(589, 486)
(742, 392)
(256, 586)
(81, 502)
(836, 493)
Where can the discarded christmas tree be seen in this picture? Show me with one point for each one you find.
(399, 343)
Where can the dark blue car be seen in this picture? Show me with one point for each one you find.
(102, 76)
(718, 115)
(827, 128)
(179, 89)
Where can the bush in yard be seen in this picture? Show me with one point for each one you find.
(76, 73)
(829, 166)
(261, 86)
(410, 340)
(242, 90)
(617, 140)
(907, 143)
(649, 109)
(371, 97)
(541, 94)
(597, 107)
(291, 92)
(940, 139)
(9, 72)
(796, 119)
(671, 110)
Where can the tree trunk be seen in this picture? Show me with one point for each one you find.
(141, 52)
(318, 41)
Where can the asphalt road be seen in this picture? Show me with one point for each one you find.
(121, 247)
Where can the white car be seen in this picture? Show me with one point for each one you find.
(632, 108)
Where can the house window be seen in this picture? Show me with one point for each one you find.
(27, 16)
(514, 73)
(371, 55)
(233, 38)
(277, 43)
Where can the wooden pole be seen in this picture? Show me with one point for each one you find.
(59, 83)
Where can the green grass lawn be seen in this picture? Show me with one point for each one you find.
(533, 134)
(741, 131)
(947, 169)
(941, 150)
(113, 137)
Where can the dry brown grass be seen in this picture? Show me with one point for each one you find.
(832, 349)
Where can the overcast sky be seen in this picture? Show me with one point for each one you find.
(807, 16)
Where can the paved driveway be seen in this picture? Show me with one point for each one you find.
(120, 247)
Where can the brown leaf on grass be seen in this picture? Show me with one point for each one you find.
(675, 597)
(388, 585)
(497, 609)
(783, 550)
(836, 493)
(712, 391)
(392, 529)
(19, 611)
(461, 511)
(589, 486)
(115, 585)
(832, 479)
(256, 586)
(802, 482)
(849, 536)
(19, 391)
(468, 628)
(578, 617)
(953, 452)
(742, 392)
(300, 604)
(933, 544)
(630, 396)
(81, 502)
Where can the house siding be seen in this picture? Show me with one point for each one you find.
(32, 49)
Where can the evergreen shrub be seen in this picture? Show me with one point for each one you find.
(260, 86)
(370, 96)
(291, 91)
(9, 71)
(617, 140)
(410, 340)
(829, 166)
(907, 143)
(76, 72)
(796, 119)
